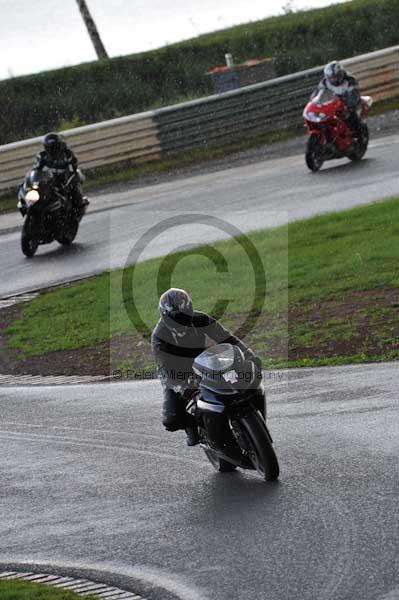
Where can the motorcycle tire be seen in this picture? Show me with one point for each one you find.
(223, 466)
(69, 233)
(362, 145)
(29, 244)
(314, 154)
(262, 453)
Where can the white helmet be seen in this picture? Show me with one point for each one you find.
(334, 73)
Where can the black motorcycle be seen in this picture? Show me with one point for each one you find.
(232, 431)
(49, 212)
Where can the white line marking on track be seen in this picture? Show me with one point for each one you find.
(392, 595)
(33, 437)
(13, 300)
(82, 430)
(50, 380)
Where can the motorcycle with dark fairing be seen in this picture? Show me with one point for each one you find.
(50, 214)
(232, 431)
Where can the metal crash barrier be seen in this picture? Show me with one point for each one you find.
(201, 124)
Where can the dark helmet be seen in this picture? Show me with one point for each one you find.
(53, 144)
(334, 73)
(176, 309)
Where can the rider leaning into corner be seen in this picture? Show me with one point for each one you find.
(179, 337)
(346, 87)
(59, 159)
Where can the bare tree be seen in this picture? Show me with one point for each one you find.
(92, 29)
(288, 7)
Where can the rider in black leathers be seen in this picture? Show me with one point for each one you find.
(178, 338)
(344, 85)
(59, 159)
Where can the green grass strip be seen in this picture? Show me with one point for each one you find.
(326, 263)
(25, 590)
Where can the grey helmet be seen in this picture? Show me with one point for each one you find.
(176, 310)
(334, 73)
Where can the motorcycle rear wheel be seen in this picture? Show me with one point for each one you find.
(223, 466)
(29, 244)
(262, 453)
(69, 233)
(314, 154)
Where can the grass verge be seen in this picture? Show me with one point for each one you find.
(332, 297)
(8, 202)
(25, 590)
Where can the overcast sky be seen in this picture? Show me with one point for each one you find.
(42, 34)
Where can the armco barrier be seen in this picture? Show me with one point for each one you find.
(265, 107)
(378, 73)
(208, 122)
(127, 139)
(236, 115)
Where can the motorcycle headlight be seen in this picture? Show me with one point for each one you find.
(32, 196)
(316, 117)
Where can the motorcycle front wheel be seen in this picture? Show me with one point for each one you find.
(69, 233)
(361, 145)
(261, 450)
(29, 243)
(314, 154)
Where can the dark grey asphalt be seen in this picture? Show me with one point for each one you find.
(88, 477)
(254, 196)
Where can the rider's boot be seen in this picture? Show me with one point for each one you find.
(192, 435)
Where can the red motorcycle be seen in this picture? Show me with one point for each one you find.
(330, 134)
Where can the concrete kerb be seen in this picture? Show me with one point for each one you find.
(145, 582)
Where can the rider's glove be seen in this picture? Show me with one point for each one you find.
(250, 355)
(258, 362)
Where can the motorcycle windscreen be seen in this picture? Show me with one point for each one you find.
(213, 364)
(218, 358)
(38, 177)
(324, 97)
(222, 368)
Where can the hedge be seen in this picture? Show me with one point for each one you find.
(100, 90)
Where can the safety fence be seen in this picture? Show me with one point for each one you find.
(127, 140)
(265, 107)
(219, 120)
